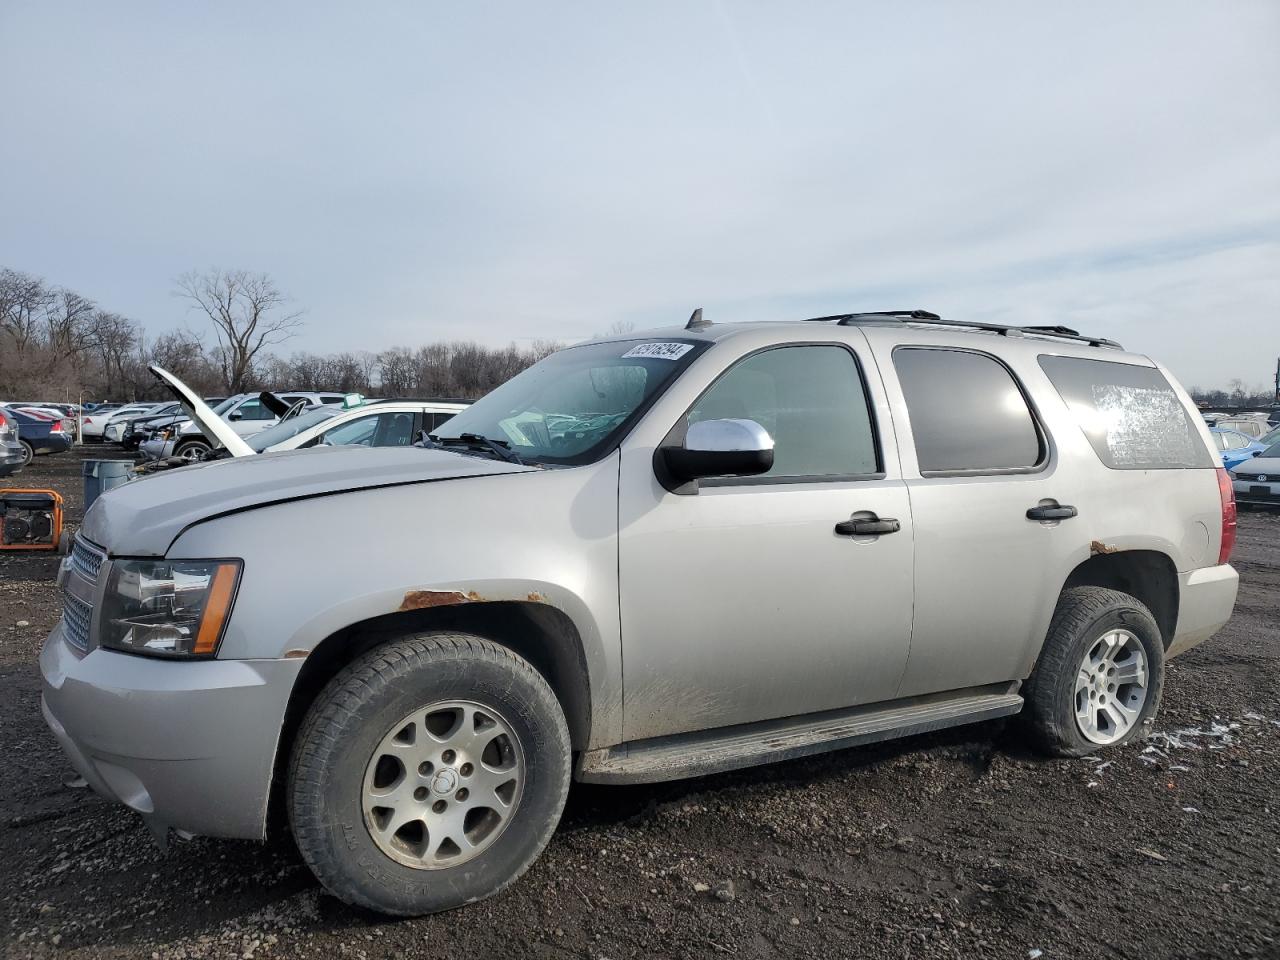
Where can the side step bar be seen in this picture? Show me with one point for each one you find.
(746, 745)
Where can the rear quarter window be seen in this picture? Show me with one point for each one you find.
(1130, 414)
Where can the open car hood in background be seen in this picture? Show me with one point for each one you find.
(214, 428)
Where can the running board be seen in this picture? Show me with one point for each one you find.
(749, 744)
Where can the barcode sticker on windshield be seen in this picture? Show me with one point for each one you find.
(659, 351)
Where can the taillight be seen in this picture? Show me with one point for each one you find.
(1228, 495)
(57, 427)
(3, 421)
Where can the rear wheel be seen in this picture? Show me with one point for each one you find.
(193, 450)
(1100, 675)
(28, 454)
(429, 773)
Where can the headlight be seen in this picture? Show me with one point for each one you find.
(170, 608)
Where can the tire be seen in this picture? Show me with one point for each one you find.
(193, 450)
(1065, 688)
(28, 454)
(358, 722)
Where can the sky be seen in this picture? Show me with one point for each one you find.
(497, 171)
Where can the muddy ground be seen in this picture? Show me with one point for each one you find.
(961, 844)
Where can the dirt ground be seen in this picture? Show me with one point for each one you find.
(960, 844)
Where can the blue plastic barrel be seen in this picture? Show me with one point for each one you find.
(101, 475)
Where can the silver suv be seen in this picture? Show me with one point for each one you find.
(643, 558)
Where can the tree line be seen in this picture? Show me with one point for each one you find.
(59, 345)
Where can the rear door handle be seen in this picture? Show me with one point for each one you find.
(1052, 511)
(867, 527)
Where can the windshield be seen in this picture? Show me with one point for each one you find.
(226, 404)
(575, 404)
(291, 427)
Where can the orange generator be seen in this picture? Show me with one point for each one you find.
(30, 520)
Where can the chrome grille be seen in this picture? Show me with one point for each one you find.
(87, 560)
(76, 616)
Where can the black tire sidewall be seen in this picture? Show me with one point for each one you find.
(1121, 614)
(331, 809)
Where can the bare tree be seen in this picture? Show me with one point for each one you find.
(247, 311)
(23, 301)
(114, 338)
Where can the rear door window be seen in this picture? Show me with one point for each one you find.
(1129, 413)
(968, 414)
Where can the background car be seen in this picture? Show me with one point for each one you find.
(392, 423)
(1234, 446)
(12, 454)
(1256, 480)
(131, 434)
(38, 434)
(246, 413)
(95, 420)
(1252, 425)
(113, 429)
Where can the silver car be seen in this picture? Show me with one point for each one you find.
(648, 557)
(1257, 480)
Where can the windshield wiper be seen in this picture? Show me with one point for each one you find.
(473, 441)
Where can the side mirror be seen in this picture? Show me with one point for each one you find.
(1257, 453)
(235, 415)
(720, 448)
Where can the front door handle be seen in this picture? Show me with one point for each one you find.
(867, 527)
(1052, 511)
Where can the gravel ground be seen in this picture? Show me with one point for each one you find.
(959, 844)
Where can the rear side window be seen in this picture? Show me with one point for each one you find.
(1129, 413)
(968, 414)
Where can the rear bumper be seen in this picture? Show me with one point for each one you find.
(189, 745)
(52, 444)
(1207, 597)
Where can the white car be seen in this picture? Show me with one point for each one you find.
(244, 415)
(357, 422)
(386, 423)
(95, 421)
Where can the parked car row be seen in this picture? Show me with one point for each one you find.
(27, 431)
(260, 423)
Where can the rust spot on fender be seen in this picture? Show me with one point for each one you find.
(1097, 547)
(295, 654)
(424, 599)
(536, 597)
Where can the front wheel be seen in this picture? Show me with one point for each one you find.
(1100, 675)
(429, 773)
(193, 450)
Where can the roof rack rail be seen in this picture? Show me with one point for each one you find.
(1055, 332)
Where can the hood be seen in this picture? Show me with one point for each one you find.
(1255, 465)
(144, 517)
(211, 425)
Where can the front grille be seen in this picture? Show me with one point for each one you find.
(76, 617)
(1255, 477)
(87, 559)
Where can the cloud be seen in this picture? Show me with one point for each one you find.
(518, 170)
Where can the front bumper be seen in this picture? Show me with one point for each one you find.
(188, 744)
(156, 449)
(1256, 491)
(1206, 598)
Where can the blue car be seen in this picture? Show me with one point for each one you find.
(1235, 447)
(38, 434)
